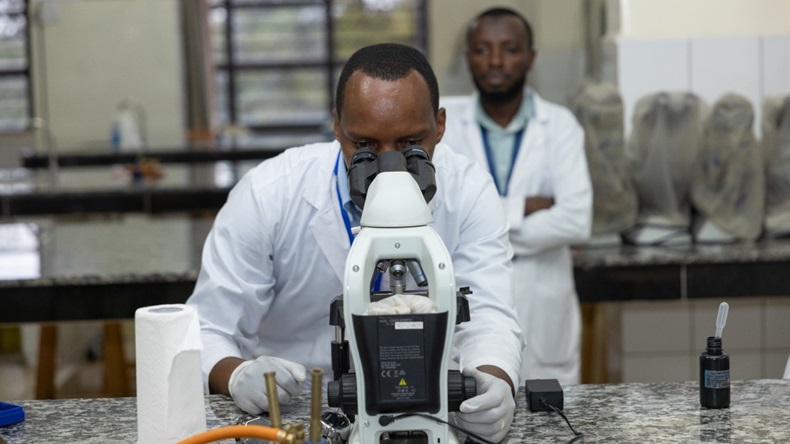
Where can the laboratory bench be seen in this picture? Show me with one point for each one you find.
(106, 267)
(194, 178)
(115, 189)
(95, 268)
(133, 200)
(188, 154)
(636, 412)
(629, 272)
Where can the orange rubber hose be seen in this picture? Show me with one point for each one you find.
(238, 431)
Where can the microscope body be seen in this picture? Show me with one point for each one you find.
(400, 360)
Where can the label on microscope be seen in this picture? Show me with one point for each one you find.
(408, 325)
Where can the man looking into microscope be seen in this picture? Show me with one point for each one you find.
(275, 257)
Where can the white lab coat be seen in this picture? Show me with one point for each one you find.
(551, 162)
(275, 258)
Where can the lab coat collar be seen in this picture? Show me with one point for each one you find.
(324, 199)
(538, 108)
(535, 137)
(438, 153)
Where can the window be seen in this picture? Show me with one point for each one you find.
(277, 61)
(15, 95)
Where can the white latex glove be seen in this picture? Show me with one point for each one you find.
(247, 385)
(490, 413)
(401, 304)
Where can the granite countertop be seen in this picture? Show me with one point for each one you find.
(651, 412)
(112, 189)
(122, 249)
(126, 247)
(630, 255)
(99, 268)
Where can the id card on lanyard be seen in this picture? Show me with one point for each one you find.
(501, 187)
(347, 219)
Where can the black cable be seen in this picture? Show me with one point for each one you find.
(386, 420)
(560, 412)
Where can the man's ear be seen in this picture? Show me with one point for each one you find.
(441, 120)
(336, 124)
(531, 56)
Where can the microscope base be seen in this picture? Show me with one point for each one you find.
(420, 439)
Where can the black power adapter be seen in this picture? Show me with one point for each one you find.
(545, 395)
(542, 393)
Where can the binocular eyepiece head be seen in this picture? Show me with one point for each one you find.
(366, 164)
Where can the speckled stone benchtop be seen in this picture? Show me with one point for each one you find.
(622, 413)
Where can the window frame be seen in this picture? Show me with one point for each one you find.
(26, 72)
(327, 66)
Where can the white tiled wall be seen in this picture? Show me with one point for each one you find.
(775, 55)
(753, 66)
(661, 341)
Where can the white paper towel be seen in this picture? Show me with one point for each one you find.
(170, 403)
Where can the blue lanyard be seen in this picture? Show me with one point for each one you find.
(343, 212)
(347, 220)
(502, 188)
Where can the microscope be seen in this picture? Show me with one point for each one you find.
(400, 389)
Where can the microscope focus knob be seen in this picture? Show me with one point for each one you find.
(459, 389)
(343, 393)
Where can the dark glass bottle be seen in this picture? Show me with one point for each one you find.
(714, 376)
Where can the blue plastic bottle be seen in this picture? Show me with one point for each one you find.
(115, 138)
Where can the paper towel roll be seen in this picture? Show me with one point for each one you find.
(170, 404)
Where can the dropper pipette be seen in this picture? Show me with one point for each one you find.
(721, 319)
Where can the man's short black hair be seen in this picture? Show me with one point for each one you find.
(387, 61)
(500, 12)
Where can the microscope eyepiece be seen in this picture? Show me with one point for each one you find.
(419, 165)
(366, 164)
(363, 155)
(361, 172)
(391, 161)
(415, 150)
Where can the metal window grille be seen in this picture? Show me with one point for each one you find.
(277, 61)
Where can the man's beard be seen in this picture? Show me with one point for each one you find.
(501, 97)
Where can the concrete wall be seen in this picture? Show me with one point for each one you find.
(88, 56)
(698, 18)
(706, 47)
(559, 29)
